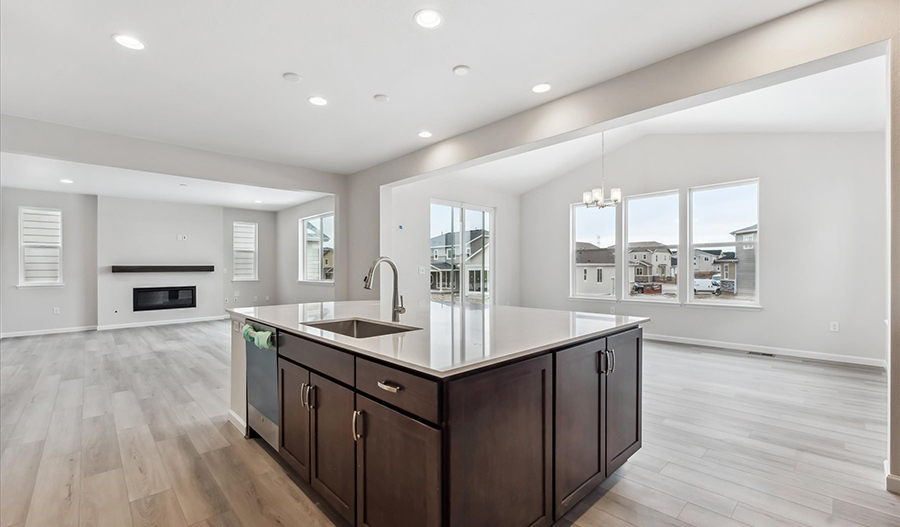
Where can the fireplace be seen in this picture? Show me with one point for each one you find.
(151, 298)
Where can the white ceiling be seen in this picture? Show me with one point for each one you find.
(848, 99)
(38, 173)
(210, 76)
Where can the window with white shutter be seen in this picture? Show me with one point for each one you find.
(245, 262)
(40, 246)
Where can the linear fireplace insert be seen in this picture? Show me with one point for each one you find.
(150, 298)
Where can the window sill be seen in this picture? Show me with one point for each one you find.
(725, 305)
(237, 280)
(316, 282)
(39, 286)
(654, 302)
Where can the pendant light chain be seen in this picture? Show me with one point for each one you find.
(597, 197)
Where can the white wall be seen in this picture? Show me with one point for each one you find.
(290, 289)
(823, 222)
(263, 291)
(141, 232)
(31, 309)
(410, 246)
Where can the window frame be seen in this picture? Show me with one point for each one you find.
(22, 284)
(451, 250)
(738, 241)
(302, 256)
(573, 265)
(255, 277)
(623, 291)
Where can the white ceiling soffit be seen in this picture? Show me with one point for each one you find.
(210, 76)
(847, 99)
(38, 173)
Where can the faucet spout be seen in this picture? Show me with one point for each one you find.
(397, 300)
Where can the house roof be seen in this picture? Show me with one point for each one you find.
(650, 246)
(585, 246)
(443, 266)
(745, 230)
(452, 238)
(728, 256)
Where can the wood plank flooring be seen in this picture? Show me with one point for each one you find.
(129, 428)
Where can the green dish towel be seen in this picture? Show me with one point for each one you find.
(261, 339)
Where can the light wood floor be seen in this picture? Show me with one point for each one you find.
(129, 428)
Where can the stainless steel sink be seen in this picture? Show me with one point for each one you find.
(359, 328)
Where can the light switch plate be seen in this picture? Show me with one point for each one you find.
(834, 326)
(423, 269)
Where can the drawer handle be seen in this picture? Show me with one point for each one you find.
(389, 386)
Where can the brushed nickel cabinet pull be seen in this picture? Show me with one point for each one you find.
(303, 387)
(353, 425)
(310, 396)
(600, 355)
(389, 386)
(613, 355)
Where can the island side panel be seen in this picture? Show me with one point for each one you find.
(499, 440)
(238, 414)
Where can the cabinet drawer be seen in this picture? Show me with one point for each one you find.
(411, 393)
(328, 361)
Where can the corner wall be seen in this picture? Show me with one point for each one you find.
(290, 289)
(30, 309)
(263, 291)
(824, 191)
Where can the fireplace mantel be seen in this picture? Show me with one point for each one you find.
(163, 268)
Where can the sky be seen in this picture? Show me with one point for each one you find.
(716, 213)
(443, 219)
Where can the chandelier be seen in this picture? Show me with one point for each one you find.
(596, 197)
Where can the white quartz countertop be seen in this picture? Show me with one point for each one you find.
(454, 338)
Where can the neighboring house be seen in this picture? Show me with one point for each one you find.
(704, 262)
(595, 269)
(745, 253)
(313, 238)
(445, 260)
(657, 255)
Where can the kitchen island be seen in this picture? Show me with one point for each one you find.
(458, 415)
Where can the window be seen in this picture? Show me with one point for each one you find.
(317, 248)
(244, 241)
(724, 224)
(40, 246)
(461, 229)
(593, 247)
(652, 227)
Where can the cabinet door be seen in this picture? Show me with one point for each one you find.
(499, 436)
(580, 425)
(333, 450)
(294, 432)
(398, 474)
(623, 398)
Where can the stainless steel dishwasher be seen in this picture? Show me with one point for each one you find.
(262, 387)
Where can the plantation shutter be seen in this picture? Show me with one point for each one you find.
(41, 239)
(244, 251)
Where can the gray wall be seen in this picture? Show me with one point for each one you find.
(31, 309)
(264, 291)
(821, 191)
(141, 232)
(290, 289)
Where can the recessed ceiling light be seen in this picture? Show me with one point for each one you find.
(257, 201)
(129, 42)
(381, 98)
(461, 70)
(541, 87)
(428, 18)
(182, 184)
(425, 134)
(66, 181)
(290, 76)
(318, 101)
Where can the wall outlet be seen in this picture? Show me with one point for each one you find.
(235, 300)
(423, 269)
(834, 326)
(612, 310)
(255, 298)
(267, 297)
(55, 310)
(237, 293)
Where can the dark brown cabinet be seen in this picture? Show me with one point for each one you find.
(398, 469)
(580, 461)
(332, 459)
(623, 398)
(294, 431)
(499, 433)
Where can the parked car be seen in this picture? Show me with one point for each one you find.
(707, 285)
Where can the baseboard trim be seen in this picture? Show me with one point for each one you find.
(37, 332)
(237, 421)
(160, 322)
(787, 352)
(891, 482)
